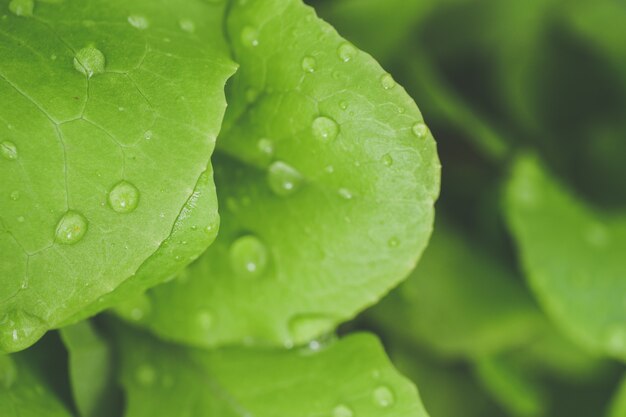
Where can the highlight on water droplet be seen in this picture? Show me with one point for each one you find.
(8, 371)
(387, 81)
(8, 150)
(324, 128)
(343, 105)
(266, 147)
(283, 179)
(71, 228)
(420, 130)
(394, 242)
(15, 195)
(387, 160)
(22, 7)
(123, 197)
(187, 25)
(89, 61)
(309, 64)
(248, 256)
(383, 396)
(137, 21)
(145, 374)
(306, 326)
(250, 36)
(345, 193)
(346, 52)
(19, 330)
(342, 410)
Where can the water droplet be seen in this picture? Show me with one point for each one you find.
(22, 7)
(146, 374)
(387, 160)
(139, 22)
(8, 371)
(309, 64)
(343, 105)
(342, 410)
(346, 52)
(147, 135)
(19, 330)
(283, 179)
(187, 25)
(387, 81)
(71, 228)
(248, 256)
(345, 193)
(250, 36)
(304, 327)
(324, 129)
(89, 61)
(420, 130)
(8, 150)
(204, 319)
(394, 242)
(124, 197)
(15, 195)
(383, 397)
(53, 57)
(266, 146)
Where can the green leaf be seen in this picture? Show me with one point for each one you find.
(618, 405)
(459, 301)
(91, 370)
(351, 377)
(327, 178)
(108, 119)
(24, 389)
(573, 257)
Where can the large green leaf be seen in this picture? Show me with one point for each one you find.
(351, 377)
(459, 301)
(573, 257)
(327, 178)
(108, 118)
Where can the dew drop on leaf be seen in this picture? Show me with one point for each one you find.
(306, 326)
(187, 25)
(393, 242)
(248, 256)
(250, 36)
(343, 105)
(387, 160)
(283, 179)
(8, 150)
(346, 52)
(124, 197)
(89, 61)
(139, 22)
(345, 193)
(19, 330)
(383, 396)
(324, 128)
(71, 228)
(8, 371)
(420, 130)
(145, 374)
(387, 81)
(309, 64)
(22, 7)
(266, 147)
(15, 195)
(342, 410)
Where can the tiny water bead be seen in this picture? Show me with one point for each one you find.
(266, 146)
(15, 195)
(387, 160)
(248, 256)
(250, 36)
(123, 197)
(146, 374)
(139, 22)
(324, 128)
(387, 81)
(71, 228)
(309, 64)
(346, 52)
(394, 242)
(187, 25)
(345, 193)
(342, 410)
(283, 179)
(383, 396)
(8, 150)
(89, 61)
(420, 130)
(22, 7)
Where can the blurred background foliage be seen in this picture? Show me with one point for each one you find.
(475, 325)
